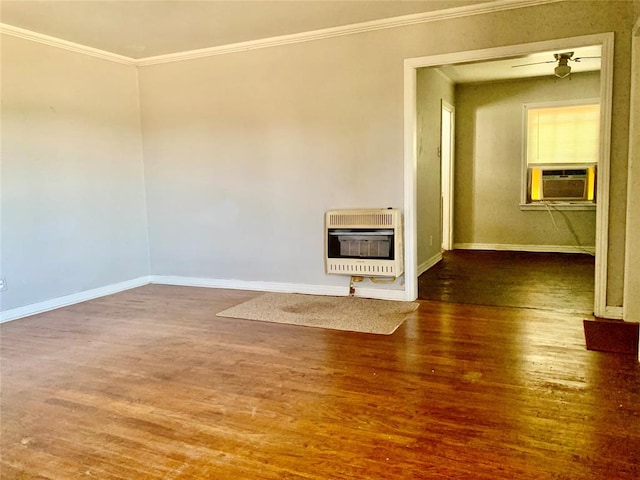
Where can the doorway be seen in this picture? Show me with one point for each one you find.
(411, 66)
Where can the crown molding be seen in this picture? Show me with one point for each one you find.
(64, 44)
(393, 22)
(444, 76)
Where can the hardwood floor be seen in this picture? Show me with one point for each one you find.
(553, 281)
(150, 384)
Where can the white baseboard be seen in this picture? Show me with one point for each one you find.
(614, 313)
(258, 286)
(427, 264)
(41, 307)
(381, 294)
(525, 248)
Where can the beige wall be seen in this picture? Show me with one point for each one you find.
(489, 143)
(431, 89)
(263, 139)
(244, 154)
(73, 211)
(632, 280)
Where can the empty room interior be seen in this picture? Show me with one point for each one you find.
(465, 172)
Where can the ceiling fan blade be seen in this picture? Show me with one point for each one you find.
(535, 63)
(577, 59)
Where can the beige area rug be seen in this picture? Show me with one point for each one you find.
(338, 313)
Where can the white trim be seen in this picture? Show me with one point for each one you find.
(381, 294)
(497, 53)
(427, 264)
(447, 172)
(355, 28)
(562, 103)
(410, 182)
(64, 44)
(603, 180)
(41, 307)
(613, 313)
(508, 247)
(630, 301)
(444, 76)
(259, 286)
(67, 300)
(634, 93)
(606, 87)
(556, 206)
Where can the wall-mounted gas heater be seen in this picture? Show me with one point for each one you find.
(364, 242)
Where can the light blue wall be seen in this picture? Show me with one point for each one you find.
(73, 207)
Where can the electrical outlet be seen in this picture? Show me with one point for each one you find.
(431, 240)
(3, 284)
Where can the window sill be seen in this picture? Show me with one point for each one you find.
(558, 206)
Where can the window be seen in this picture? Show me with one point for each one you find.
(561, 152)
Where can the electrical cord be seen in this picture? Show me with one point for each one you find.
(573, 233)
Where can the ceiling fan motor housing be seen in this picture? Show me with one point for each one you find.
(563, 69)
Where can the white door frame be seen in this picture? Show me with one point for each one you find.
(410, 151)
(447, 156)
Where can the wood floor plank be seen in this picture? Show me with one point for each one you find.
(150, 384)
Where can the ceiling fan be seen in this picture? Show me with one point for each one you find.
(563, 69)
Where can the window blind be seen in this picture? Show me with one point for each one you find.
(563, 135)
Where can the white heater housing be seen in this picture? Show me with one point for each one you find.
(364, 242)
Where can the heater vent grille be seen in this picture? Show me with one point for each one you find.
(364, 218)
(367, 268)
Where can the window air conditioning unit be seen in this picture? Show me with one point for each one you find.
(565, 184)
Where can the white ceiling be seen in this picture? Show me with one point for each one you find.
(148, 28)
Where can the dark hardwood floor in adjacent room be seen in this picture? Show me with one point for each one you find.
(554, 281)
(150, 384)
